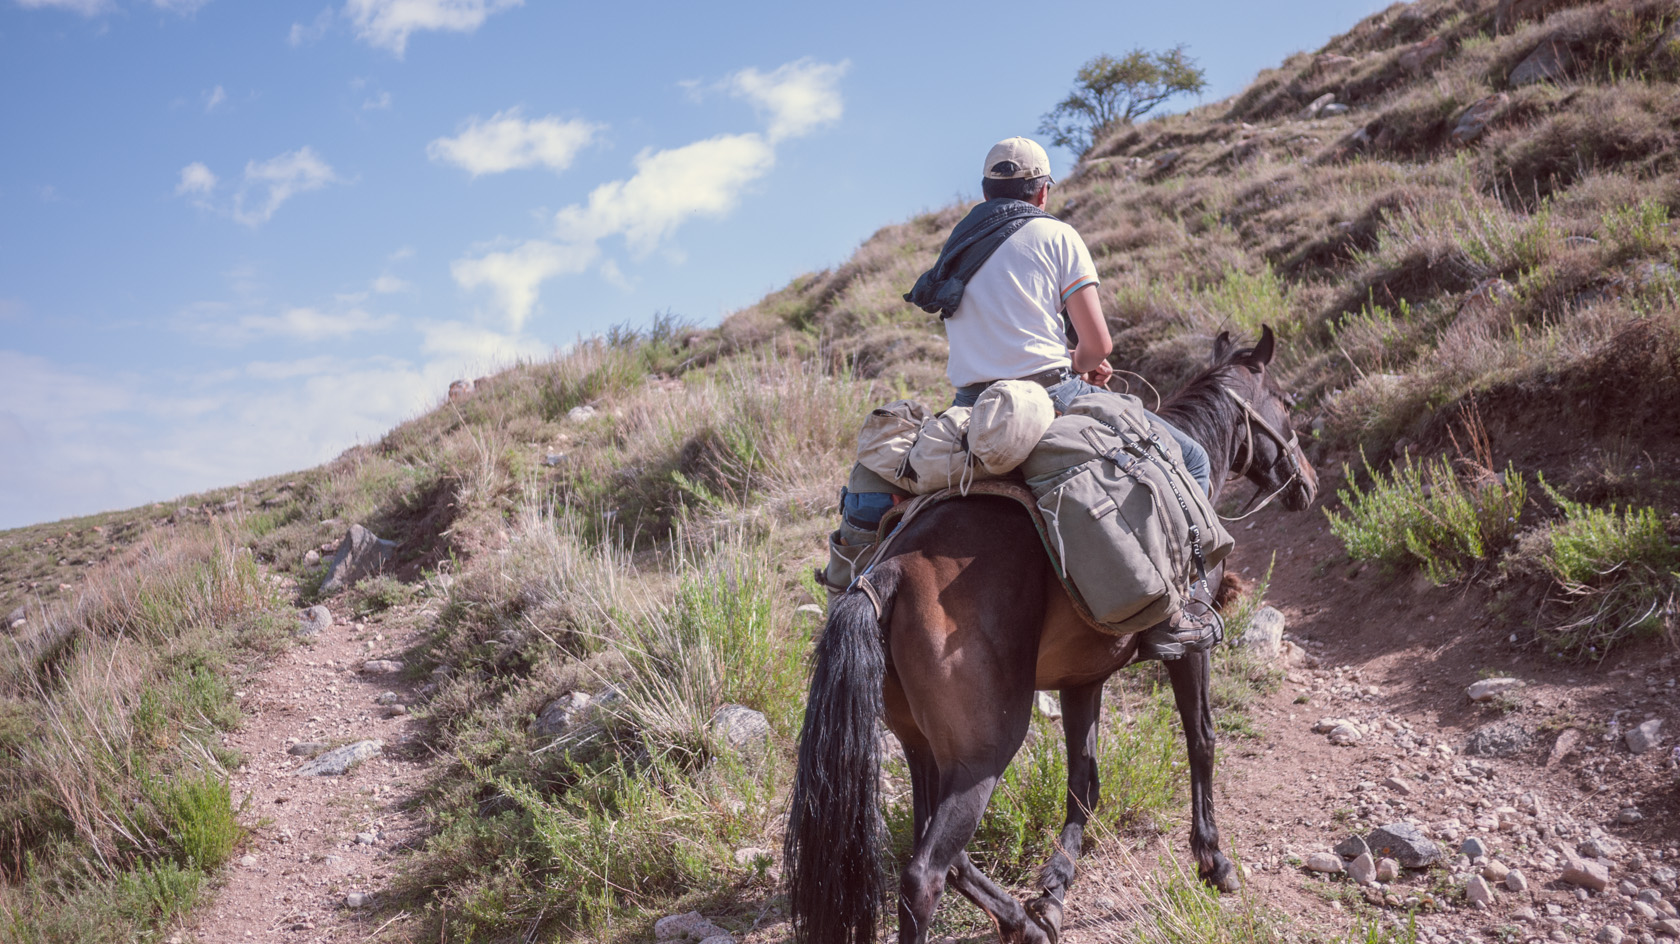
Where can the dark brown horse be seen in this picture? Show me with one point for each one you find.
(974, 620)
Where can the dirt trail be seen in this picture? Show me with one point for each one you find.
(317, 839)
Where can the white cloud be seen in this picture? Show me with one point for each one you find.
(84, 7)
(301, 33)
(509, 142)
(390, 285)
(798, 98)
(196, 179)
(669, 187)
(387, 24)
(214, 97)
(700, 179)
(276, 180)
(379, 102)
(513, 276)
(310, 324)
(474, 344)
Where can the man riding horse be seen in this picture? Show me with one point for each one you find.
(1004, 281)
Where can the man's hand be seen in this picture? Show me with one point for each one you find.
(1098, 376)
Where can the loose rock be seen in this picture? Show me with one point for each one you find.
(357, 900)
(1324, 862)
(1352, 848)
(337, 762)
(1264, 636)
(1479, 891)
(1404, 843)
(692, 926)
(1419, 56)
(560, 715)
(1363, 869)
(1388, 870)
(742, 729)
(307, 748)
(1587, 874)
(1473, 847)
(1345, 734)
(1499, 739)
(1047, 704)
(1490, 688)
(382, 667)
(1609, 934)
(578, 414)
(1645, 737)
(1516, 881)
(313, 622)
(1496, 871)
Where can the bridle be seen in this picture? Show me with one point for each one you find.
(1289, 450)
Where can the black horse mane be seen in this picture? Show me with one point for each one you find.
(1203, 410)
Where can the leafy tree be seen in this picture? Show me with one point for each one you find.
(1113, 92)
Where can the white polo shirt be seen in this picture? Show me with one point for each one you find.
(1009, 324)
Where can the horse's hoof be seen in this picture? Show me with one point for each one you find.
(1223, 876)
(1046, 912)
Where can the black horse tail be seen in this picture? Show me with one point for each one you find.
(832, 854)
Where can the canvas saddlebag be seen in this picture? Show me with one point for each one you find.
(1123, 513)
(920, 452)
(886, 437)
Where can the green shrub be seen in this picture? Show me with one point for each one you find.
(1618, 571)
(198, 819)
(1425, 515)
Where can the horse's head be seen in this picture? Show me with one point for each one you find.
(1268, 451)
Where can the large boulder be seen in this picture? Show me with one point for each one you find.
(1551, 61)
(1421, 55)
(1476, 118)
(361, 554)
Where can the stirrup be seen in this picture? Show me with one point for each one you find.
(1196, 627)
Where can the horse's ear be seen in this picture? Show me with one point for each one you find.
(1221, 348)
(1266, 348)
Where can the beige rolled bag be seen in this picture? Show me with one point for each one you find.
(906, 444)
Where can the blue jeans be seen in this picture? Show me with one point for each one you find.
(1063, 395)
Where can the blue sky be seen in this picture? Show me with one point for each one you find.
(237, 238)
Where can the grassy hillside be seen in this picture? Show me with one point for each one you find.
(1485, 329)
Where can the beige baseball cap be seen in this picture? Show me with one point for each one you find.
(1017, 157)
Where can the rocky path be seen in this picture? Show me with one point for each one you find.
(323, 844)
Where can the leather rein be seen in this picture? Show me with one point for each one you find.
(1289, 451)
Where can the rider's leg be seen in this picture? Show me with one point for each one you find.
(864, 500)
(1195, 457)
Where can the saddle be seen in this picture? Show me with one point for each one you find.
(1196, 628)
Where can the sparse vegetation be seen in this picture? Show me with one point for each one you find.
(1425, 515)
(1616, 572)
(658, 546)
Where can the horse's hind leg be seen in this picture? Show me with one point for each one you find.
(1189, 676)
(1081, 707)
(939, 858)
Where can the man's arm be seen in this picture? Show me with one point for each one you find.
(1090, 358)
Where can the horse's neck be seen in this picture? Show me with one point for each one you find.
(1218, 434)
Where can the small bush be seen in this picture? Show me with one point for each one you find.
(198, 819)
(1618, 571)
(1425, 515)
